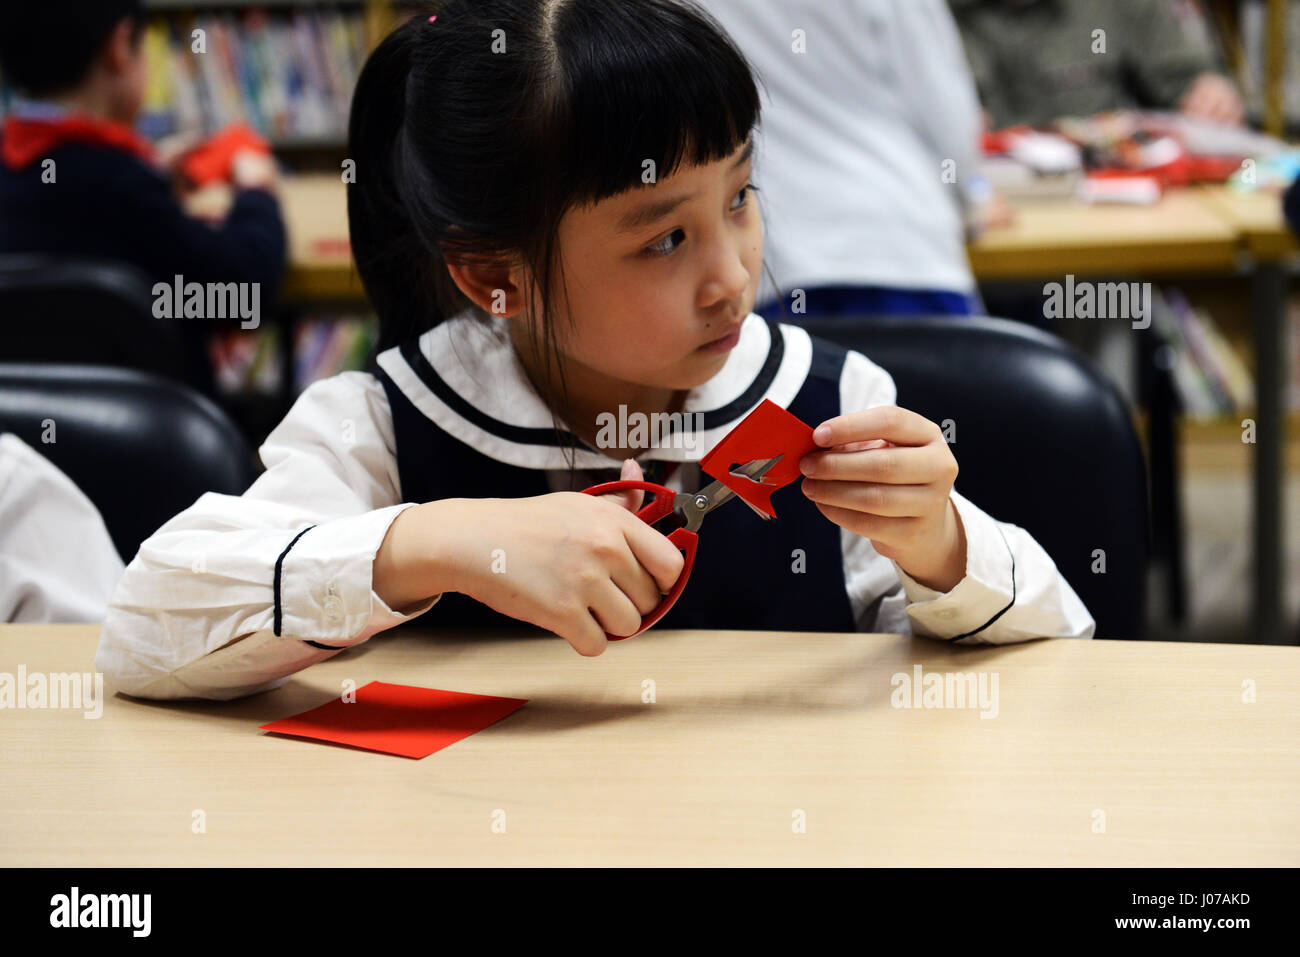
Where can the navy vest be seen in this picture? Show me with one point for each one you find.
(744, 576)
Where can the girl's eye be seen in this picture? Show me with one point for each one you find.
(748, 187)
(659, 248)
(662, 248)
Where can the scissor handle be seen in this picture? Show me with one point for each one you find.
(658, 507)
(686, 541)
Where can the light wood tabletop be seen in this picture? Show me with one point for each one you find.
(1051, 237)
(1100, 753)
(1257, 217)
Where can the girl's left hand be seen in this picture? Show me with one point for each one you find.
(886, 474)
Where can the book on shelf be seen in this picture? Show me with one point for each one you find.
(287, 73)
(246, 362)
(326, 346)
(1209, 376)
(250, 362)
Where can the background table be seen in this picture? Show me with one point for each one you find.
(1178, 235)
(747, 728)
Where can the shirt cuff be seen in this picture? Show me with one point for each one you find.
(985, 592)
(323, 587)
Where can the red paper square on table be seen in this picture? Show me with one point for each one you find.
(766, 432)
(399, 719)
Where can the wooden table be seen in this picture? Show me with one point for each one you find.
(1257, 218)
(748, 730)
(1050, 238)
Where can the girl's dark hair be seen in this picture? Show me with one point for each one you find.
(474, 134)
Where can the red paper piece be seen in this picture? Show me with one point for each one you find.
(212, 161)
(399, 719)
(766, 432)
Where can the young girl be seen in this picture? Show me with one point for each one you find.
(554, 219)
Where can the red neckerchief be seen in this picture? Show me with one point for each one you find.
(27, 140)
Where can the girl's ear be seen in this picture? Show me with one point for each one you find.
(496, 288)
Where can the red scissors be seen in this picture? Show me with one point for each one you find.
(690, 508)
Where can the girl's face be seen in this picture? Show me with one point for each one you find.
(655, 274)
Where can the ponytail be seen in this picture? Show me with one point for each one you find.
(391, 259)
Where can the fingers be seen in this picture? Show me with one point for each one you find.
(632, 499)
(1213, 97)
(614, 611)
(606, 607)
(893, 423)
(655, 554)
(583, 632)
(883, 530)
(639, 586)
(251, 169)
(874, 497)
(892, 466)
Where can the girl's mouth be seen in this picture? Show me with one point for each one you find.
(725, 344)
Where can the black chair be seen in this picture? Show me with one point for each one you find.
(142, 448)
(1043, 440)
(80, 310)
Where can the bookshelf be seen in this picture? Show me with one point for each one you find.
(287, 68)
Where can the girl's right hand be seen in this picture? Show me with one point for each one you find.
(578, 565)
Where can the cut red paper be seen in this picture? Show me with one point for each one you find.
(399, 719)
(766, 432)
(213, 160)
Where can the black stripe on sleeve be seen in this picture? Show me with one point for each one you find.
(1009, 604)
(275, 587)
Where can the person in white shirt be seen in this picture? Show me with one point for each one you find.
(868, 148)
(446, 475)
(57, 561)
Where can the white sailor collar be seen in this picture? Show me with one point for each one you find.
(465, 376)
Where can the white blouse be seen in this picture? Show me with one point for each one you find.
(193, 614)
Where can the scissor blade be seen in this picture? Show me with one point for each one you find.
(717, 493)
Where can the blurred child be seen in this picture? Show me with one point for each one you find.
(76, 180)
(1037, 60)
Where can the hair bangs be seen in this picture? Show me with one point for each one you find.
(644, 84)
